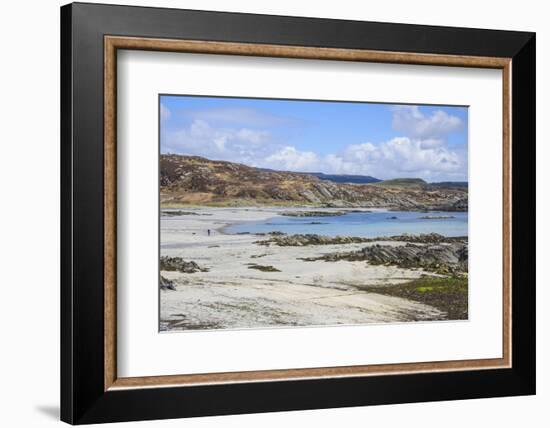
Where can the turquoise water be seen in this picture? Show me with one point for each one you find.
(363, 224)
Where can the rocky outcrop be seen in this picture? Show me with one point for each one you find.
(176, 213)
(313, 213)
(436, 217)
(459, 205)
(263, 268)
(179, 265)
(310, 239)
(423, 238)
(443, 258)
(299, 240)
(166, 284)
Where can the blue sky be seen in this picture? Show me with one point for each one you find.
(382, 140)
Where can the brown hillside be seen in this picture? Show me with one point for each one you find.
(193, 180)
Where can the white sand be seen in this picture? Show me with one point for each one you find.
(231, 295)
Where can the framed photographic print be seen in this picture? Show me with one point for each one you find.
(265, 213)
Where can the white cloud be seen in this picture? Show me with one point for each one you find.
(252, 136)
(202, 139)
(398, 157)
(291, 159)
(431, 143)
(413, 123)
(421, 152)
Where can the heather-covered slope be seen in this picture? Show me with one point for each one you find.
(193, 180)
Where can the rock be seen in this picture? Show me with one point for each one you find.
(436, 217)
(313, 213)
(300, 240)
(445, 258)
(310, 239)
(423, 238)
(166, 284)
(263, 268)
(165, 213)
(463, 258)
(460, 205)
(179, 265)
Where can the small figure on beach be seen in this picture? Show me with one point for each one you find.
(208, 232)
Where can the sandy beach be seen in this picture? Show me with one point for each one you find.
(234, 294)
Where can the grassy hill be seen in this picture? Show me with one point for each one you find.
(193, 180)
(462, 184)
(410, 183)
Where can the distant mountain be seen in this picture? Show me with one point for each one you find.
(462, 184)
(335, 178)
(343, 178)
(193, 180)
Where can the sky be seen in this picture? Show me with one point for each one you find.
(381, 140)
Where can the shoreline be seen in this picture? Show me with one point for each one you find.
(276, 212)
(252, 286)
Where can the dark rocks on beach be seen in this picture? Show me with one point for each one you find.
(436, 217)
(272, 233)
(313, 213)
(177, 213)
(413, 255)
(257, 256)
(263, 268)
(166, 284)
(313, 239)
(423, 238)
(443, 258)
(310, 239)
(179, 265)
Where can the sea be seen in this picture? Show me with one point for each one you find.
(364, 224)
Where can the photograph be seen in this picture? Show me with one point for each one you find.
(279, 213)
(276, 210)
